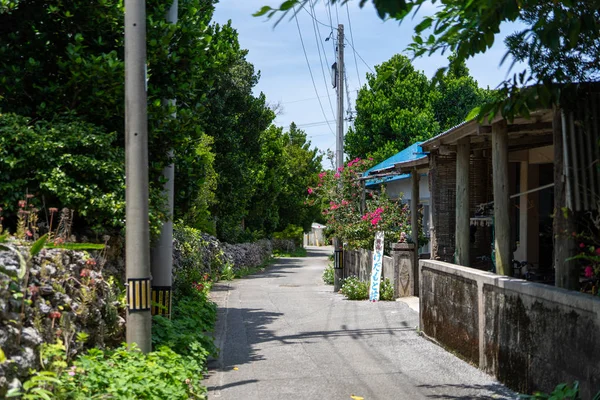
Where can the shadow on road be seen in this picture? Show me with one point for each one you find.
(496, 388)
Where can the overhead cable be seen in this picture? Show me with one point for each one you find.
(318, 39)
(310, 71)
(352, 40)
(356, 52)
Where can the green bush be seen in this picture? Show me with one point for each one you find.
(69, 162)
(121, 373)
(192, 319)
(354, 289)
(386, 290)
(328, 275)
(293, 232)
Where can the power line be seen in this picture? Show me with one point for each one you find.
(314, 124)
(328, 9)
(356, 52)
(352, 40)
(313, 98)
(310, 70)
(310, 98)
(315, 19)
(317, 32)
(337, 16)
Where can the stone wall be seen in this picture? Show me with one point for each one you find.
(67, 293)
(529, 336)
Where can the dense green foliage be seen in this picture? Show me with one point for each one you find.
(355, 289)
(61, 65)
(69, 162)
(400, 106)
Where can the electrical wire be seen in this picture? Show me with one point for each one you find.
(317, 33)
(320, 46)
(361, 59)
(310, 71)
(328, 9)
(315, 19)
(315, 124)
(310, 98)
(352, 40)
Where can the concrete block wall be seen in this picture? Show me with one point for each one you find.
(529, 336)
(359, 262)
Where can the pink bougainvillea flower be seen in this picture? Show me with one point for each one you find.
(589, 271)
(340, 169)
(598, 251)
(322, 175)
(337, 175)
(310, 191)
(582, 245)
(365, 217)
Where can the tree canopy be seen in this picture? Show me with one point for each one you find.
(400, 106)
(61, 78)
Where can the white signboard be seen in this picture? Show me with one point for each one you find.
(377, 267)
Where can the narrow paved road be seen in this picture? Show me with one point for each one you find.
(283, 334)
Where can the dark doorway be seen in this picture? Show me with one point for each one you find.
(546, 202)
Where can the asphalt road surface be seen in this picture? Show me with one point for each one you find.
(284, 334)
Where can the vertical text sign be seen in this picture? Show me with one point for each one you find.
(377, 267)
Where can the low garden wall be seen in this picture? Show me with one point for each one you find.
(398, 268)
(529, 336)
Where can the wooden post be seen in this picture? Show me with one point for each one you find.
(432, 207)
(414, 227)
(462, 228)
(566, 272)
(501, 198)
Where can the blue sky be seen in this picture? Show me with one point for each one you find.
(277, 52)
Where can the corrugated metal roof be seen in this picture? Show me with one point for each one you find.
(439, 135)
(412, 152)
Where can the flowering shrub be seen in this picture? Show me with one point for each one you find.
(589, 256)
(340, 192)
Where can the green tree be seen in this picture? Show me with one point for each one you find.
(400, 106)
(393, 111)
(456, 94)
(300, 170)
(235, 119)
(60, 58)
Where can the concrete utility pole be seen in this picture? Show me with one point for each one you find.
(137, 239)
(162, 253)
(339, 151)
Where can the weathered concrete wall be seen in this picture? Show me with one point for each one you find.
(449, 312)
(359, 263)
(529, 336)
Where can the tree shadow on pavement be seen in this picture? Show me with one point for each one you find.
(499, 391)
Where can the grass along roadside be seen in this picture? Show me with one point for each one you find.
(299, 252)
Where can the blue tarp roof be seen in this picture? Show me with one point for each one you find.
(412, 152)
